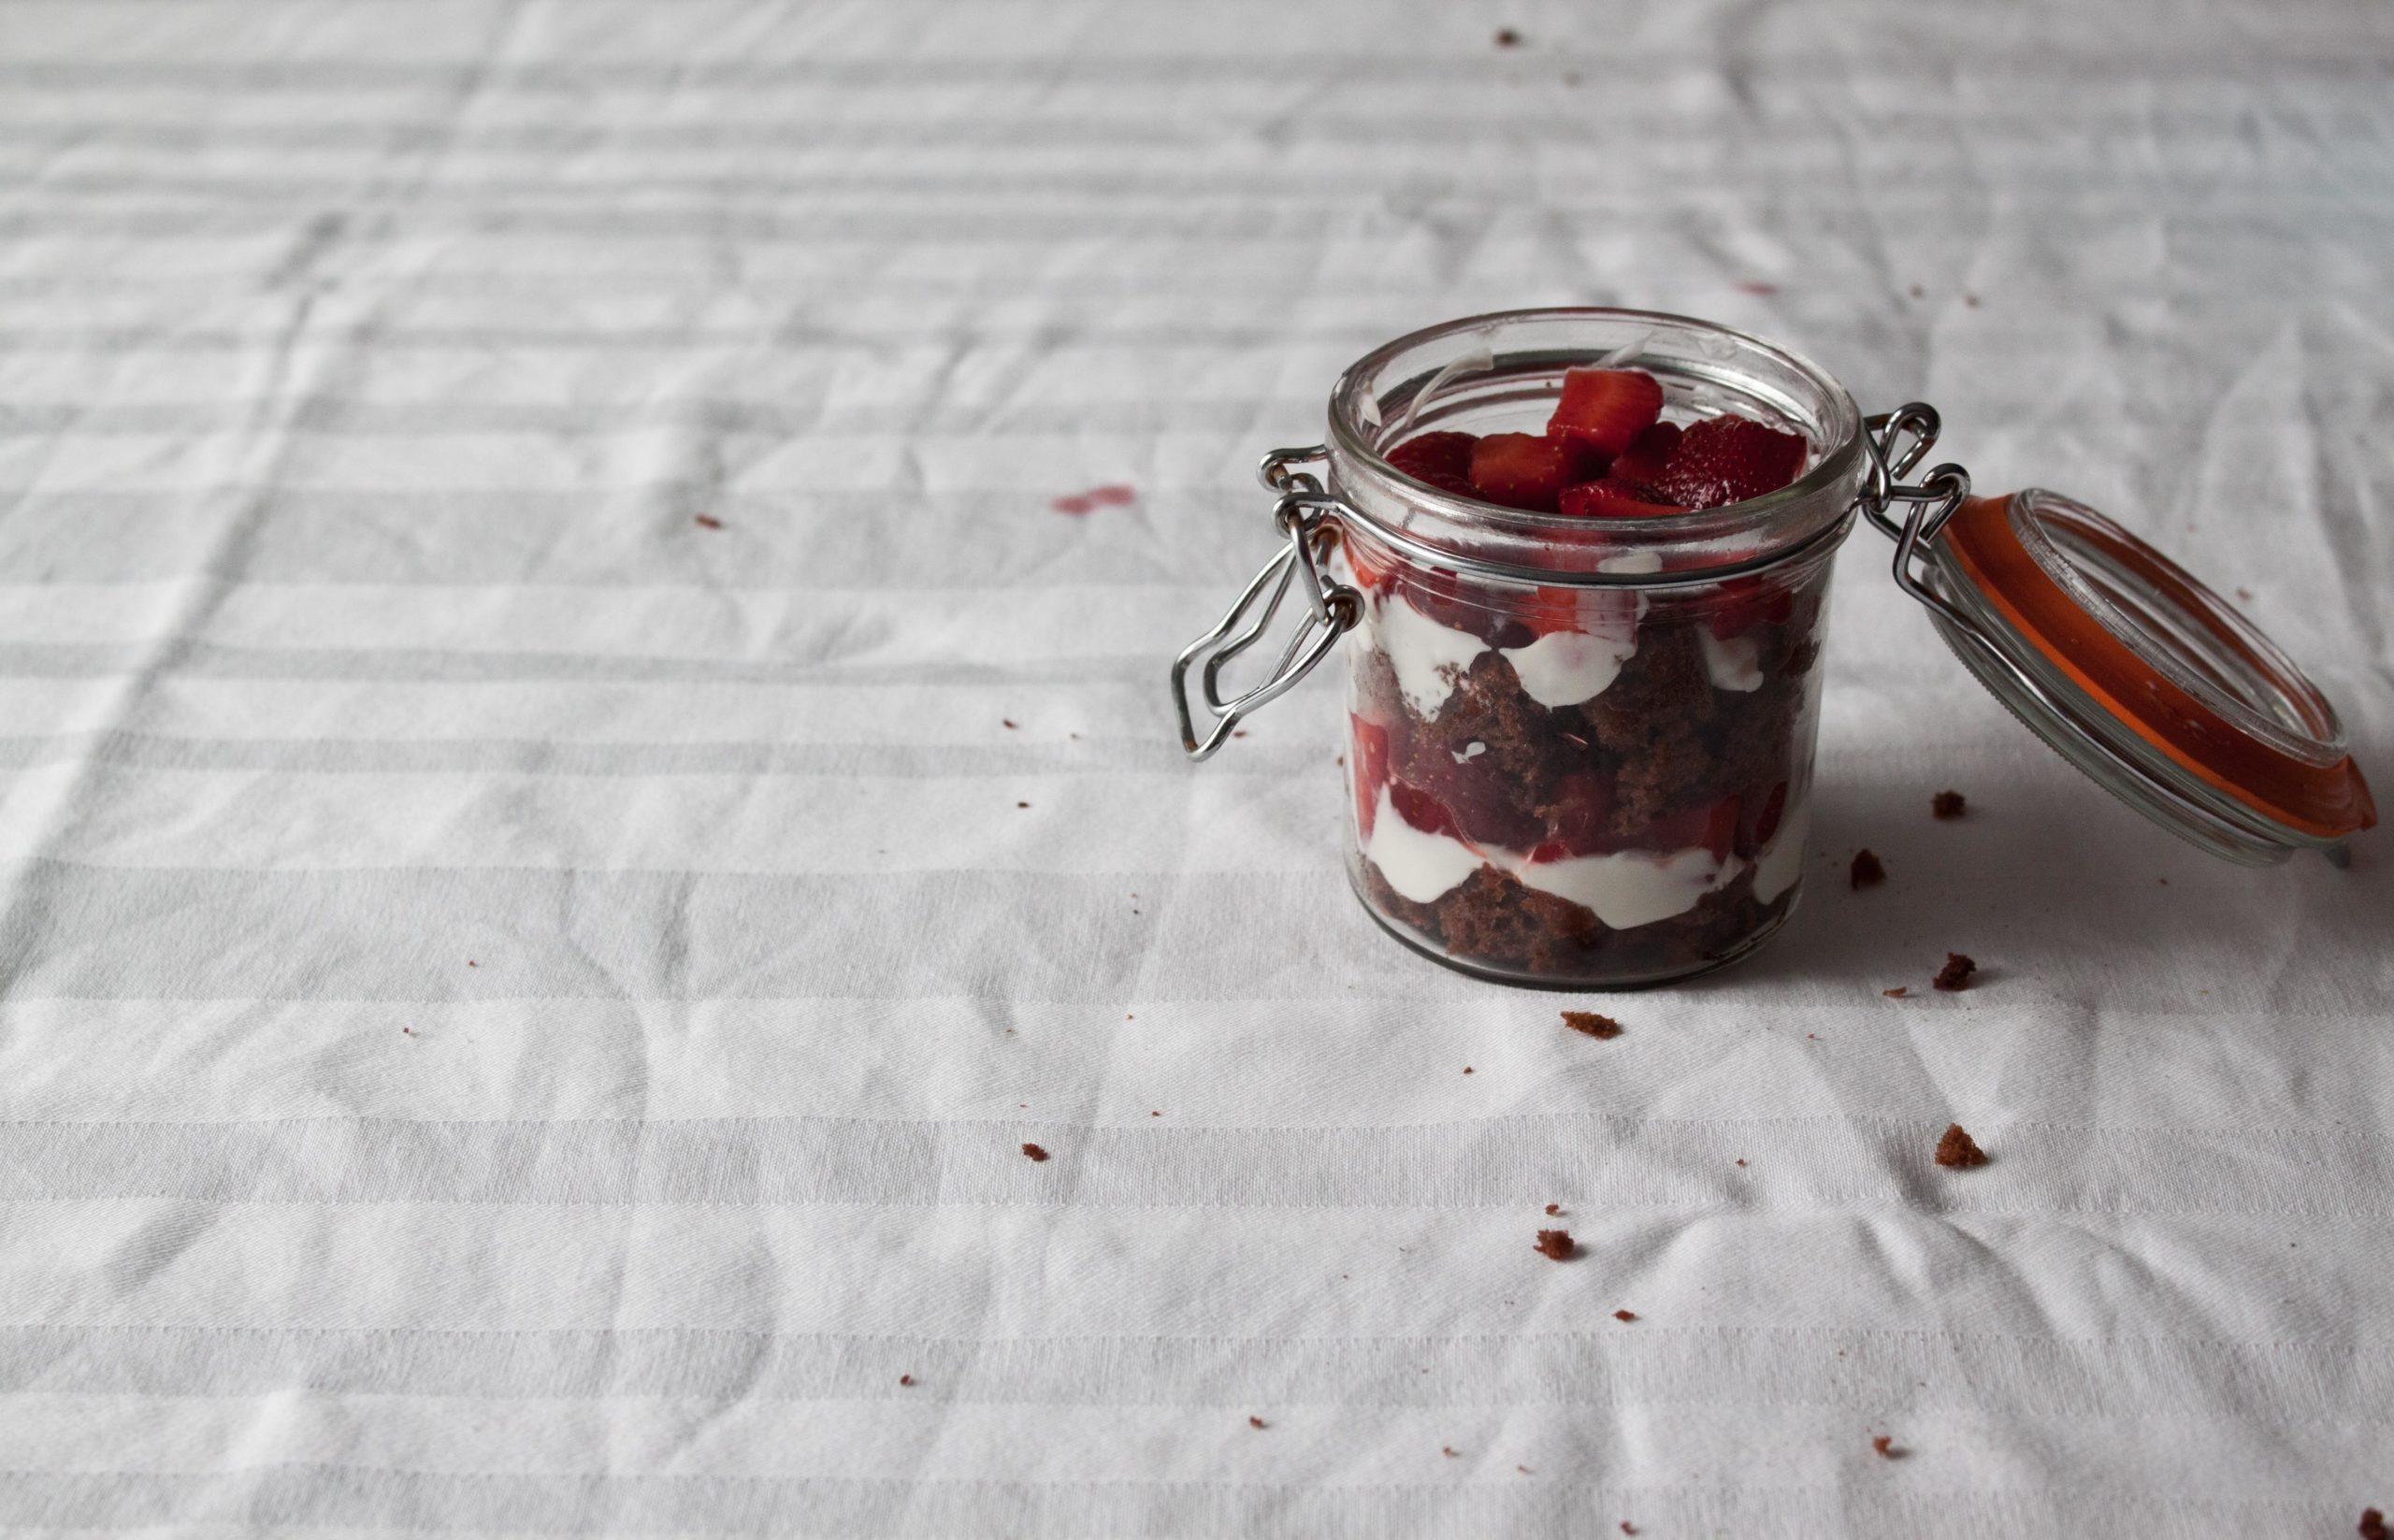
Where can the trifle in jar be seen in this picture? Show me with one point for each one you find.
(1577, 562)
(1561, 782)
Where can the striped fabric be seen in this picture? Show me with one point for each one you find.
(569, 801)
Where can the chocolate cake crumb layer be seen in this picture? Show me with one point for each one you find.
(1957, 1150)
(1592, 1024)
(1556, 1243)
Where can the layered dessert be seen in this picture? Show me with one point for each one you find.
(1586, 785)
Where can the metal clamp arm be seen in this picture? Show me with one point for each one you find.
(1332, 608)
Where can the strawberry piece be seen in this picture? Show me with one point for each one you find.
(1422, 811)
(1370, 750)
(1774, 807)
(1372, 564)
(1614, 499)
(1642, 463)
(1473, 793)
(1714, 827)
(1721, 827)
(1520, 471)
(1747, 602)
(1602, 410)
(1431, 456)
(1725, 460)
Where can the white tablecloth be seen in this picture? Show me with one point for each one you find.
(522, 1003)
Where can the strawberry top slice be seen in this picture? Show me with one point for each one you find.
(1614, 499)
(1643, 461)
(1441, 460)
(1729, 459)
(1521, 470)
(1602, 410)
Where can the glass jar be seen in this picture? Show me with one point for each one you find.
(1580, 748)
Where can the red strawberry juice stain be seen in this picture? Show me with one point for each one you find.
(1112, 495)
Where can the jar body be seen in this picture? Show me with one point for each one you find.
(1580, 750)
(1599, 789)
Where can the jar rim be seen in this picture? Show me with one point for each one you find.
(1719, 538)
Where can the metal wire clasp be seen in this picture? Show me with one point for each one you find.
(1896, 442)
(1301, 515)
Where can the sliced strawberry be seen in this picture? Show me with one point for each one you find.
(1721, 827)
(1713, 826)
(1436, 458)
(1602, 410)
(1369, 747)
(1641, 464)
(1774, 807)
(1422, 811)
(1547, 609)
(1520, 471)
(1614, 499)
(1476, 796)
(1747, 602)
(1372, 564)
(1725, 460)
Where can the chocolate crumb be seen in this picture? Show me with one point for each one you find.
(1255, 1423)
(408, 1031)
(1971, 300)
(2372, 1524)
(1886, 1447)
(1557, 1245)
(1867, 870)
(1957, 973)
(1917, 290)
(1007, 720)
(1592, 1024)
(1508, 38)
(1022, 804)
(1523, 1469)
(1466, 1069)
(1898, 992)
(1447, 1449)
(1628, 1528)
(906, 1379)
(1957, 1150)
(2245, 593)
(1155, 1115)
(1741, 1159)
(1034, 1152)
(708, 521)
(1948, 804)
(1553, 1209)
(1624, 1315)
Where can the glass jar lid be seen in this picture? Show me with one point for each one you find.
(2140, 676)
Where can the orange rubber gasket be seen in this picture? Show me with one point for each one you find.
(2324, 800)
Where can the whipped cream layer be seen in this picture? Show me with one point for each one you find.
(1624, 888)
(1563, 668)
